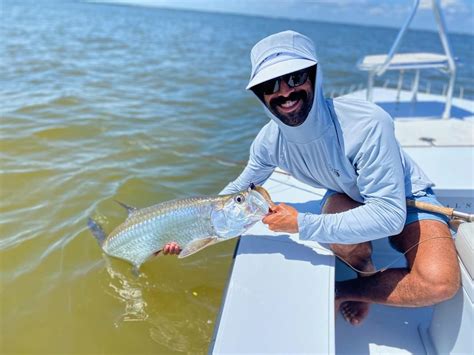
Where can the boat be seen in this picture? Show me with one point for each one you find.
(280, 294)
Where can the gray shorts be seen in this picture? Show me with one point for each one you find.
(413, 214)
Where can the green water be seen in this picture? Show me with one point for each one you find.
(141, 105)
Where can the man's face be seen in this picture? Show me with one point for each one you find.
(293, 99)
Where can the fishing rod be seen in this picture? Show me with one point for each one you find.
(447, 211)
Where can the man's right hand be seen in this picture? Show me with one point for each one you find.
(283, 218)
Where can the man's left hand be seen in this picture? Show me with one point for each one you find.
(282, 218)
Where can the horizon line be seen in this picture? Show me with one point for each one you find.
(273, 17)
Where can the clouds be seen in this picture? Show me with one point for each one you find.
(392, 13)
(446, 5)
(450, 8)
(338, 3)
(458, 13)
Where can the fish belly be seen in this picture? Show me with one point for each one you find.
(142, 235)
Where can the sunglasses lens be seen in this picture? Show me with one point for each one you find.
(292, 80)
(297, 79)
(271, 86)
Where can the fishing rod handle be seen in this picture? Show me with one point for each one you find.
(430, 207)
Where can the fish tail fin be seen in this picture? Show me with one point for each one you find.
(97, 231)
(135, 271)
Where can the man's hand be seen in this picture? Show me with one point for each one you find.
(171, 248)
(282, 218)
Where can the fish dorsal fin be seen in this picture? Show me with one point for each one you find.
(129, 209)
(196, 245)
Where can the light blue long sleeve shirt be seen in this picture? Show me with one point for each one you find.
(348, 146)
(357, 155)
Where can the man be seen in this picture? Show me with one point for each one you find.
(348, 147)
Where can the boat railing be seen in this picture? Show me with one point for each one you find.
(377, 65)
(421, 87)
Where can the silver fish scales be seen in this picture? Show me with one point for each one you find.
(194, 223)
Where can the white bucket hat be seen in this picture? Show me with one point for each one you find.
(280, 54)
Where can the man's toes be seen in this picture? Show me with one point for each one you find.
(357, 318)
(361, 316)
(354, 320)
(346, 311)
(354, 312)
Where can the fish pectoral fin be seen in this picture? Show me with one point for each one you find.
(196, 245)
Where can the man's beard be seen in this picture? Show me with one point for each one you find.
(296, 118)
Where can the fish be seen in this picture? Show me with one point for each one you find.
(194, 223)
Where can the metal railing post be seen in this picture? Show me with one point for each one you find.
(370, 85)
(381, 69)
(416, 83)
(400, 84)
(447, 49)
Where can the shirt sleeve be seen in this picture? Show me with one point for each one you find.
(257, 171)
(381, 184)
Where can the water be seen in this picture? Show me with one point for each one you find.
(103, 102)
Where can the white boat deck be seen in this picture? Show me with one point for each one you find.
(280, 294)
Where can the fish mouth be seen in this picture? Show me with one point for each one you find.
(264, 193)
(259, 202)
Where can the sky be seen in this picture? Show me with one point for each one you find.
(459, 14)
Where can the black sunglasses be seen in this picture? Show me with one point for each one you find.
(293, 80)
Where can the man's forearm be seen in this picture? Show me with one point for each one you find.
(367, 222)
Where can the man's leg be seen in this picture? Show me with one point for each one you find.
(357, 255)
(432, 274)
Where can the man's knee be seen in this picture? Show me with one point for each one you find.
(442, 290)
(431, 257)
(448, 289)
(345, 250)
(339, 203)
(358, 255)
(442, 282)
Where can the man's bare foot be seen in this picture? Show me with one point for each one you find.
(354, 312)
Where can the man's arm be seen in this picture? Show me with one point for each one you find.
(258, 169)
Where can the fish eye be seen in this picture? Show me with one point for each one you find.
(239, 198)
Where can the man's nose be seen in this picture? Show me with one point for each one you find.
(285, 90)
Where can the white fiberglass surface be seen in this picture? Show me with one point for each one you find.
(386, 330)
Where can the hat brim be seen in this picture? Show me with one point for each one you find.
(279, 69)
